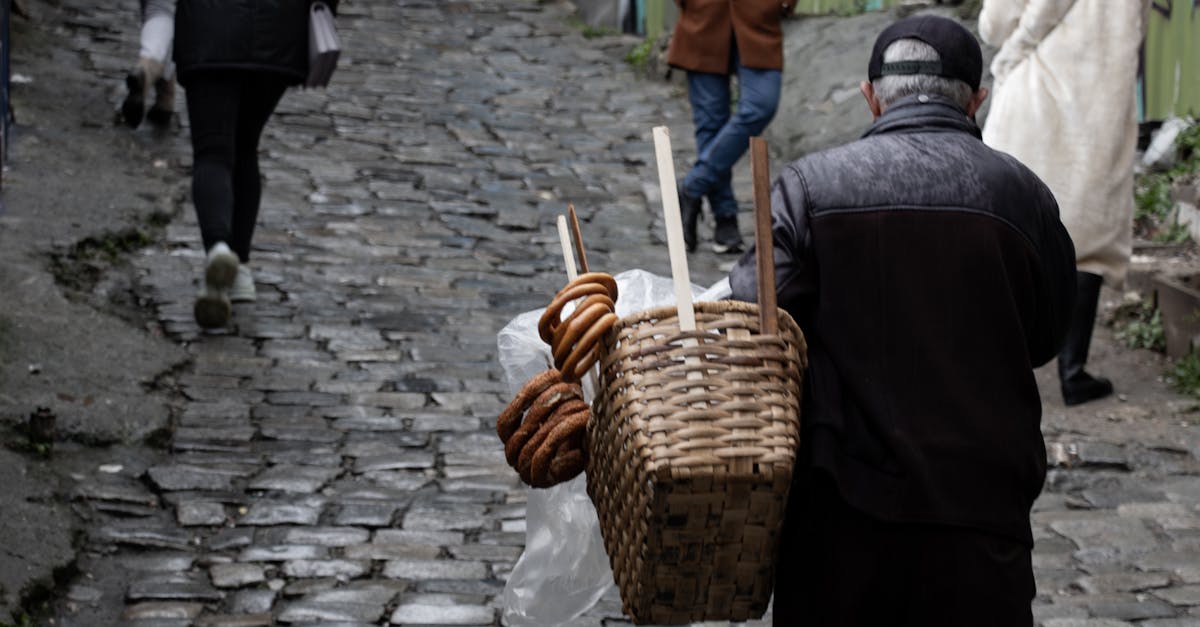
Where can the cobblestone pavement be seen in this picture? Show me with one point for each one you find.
(334, 459)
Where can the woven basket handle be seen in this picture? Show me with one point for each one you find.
(764, 245)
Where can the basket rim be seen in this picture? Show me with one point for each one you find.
(787, 324)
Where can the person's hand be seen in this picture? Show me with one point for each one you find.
(1017, 49)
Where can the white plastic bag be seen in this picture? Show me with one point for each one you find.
(564, 570)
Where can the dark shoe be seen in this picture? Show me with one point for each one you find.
(164, 103)
(1083, 387)
(726, 237)
(134, 107)
(1077, 385)
(689, 213)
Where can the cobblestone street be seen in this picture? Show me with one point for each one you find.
(333, 458)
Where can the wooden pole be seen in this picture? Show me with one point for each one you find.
(768, 315)
(674, 224)
(564, 240)
(579, 250)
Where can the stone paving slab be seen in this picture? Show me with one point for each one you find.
(334, 459)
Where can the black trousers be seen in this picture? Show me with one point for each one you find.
(838, 567)
(227, 111)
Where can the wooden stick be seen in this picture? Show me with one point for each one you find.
(768, 315)
(583, 264)
(564, 240)
(675, 246)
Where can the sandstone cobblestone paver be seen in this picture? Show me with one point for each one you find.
(333, 458)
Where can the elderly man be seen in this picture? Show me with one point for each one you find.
(930, 274)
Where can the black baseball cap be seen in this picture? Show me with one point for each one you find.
(960, 55)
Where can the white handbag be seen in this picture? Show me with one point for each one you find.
(323, 45)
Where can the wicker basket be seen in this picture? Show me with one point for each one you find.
(691, 446)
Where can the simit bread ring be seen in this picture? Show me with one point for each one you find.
(574, 328)
(510, 418)
(566, 466)
(525, 460)
(596, 301)
(587, 350)
(570, 429)
(588, 284)
(542, 407)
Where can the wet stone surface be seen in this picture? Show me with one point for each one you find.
(334, 458)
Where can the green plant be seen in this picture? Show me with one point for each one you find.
(1184, 376)
(639, 56)
(22, 620)
(1140, 326)
(591, 32)
(1152, 198)
(1173, 233)
(1154, 213)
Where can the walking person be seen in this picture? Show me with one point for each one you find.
(154, 70)
(235, 60)
(931, 275)
(715, 40)
(1065, 105)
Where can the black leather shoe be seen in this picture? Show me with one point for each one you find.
(689, 213)
(726, 237)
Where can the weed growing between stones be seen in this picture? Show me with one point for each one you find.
(639, 56)
(1184, 376)
(1138, 324)
(592, 32)
(1155, 217)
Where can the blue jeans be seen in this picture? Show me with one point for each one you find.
(722, 136)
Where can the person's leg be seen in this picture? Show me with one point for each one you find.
(213, 109)
(957, 576)
(709, 98)
(829, 571)
(154, 68)
(259, 99)
(758, 99)
(212, 102)
(158, 30)
(1078, 386)
(158, 35)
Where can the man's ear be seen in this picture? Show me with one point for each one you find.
(977, 99)
(868, 92)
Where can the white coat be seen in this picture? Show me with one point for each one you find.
(1064, 103)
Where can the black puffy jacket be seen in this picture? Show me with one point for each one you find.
(930, 275)
(254, 35)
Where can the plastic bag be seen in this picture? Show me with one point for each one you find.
(564, 570)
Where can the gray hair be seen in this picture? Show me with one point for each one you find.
(889, 89)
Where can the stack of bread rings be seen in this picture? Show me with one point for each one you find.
(575, 342)
(543, 430)
(544, 427)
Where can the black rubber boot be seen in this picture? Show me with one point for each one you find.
(1077, 385)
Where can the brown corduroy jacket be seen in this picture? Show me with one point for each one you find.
(707, 28)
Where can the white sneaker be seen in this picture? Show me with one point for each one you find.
(212, 306)
(220, 268)
(243, 286)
